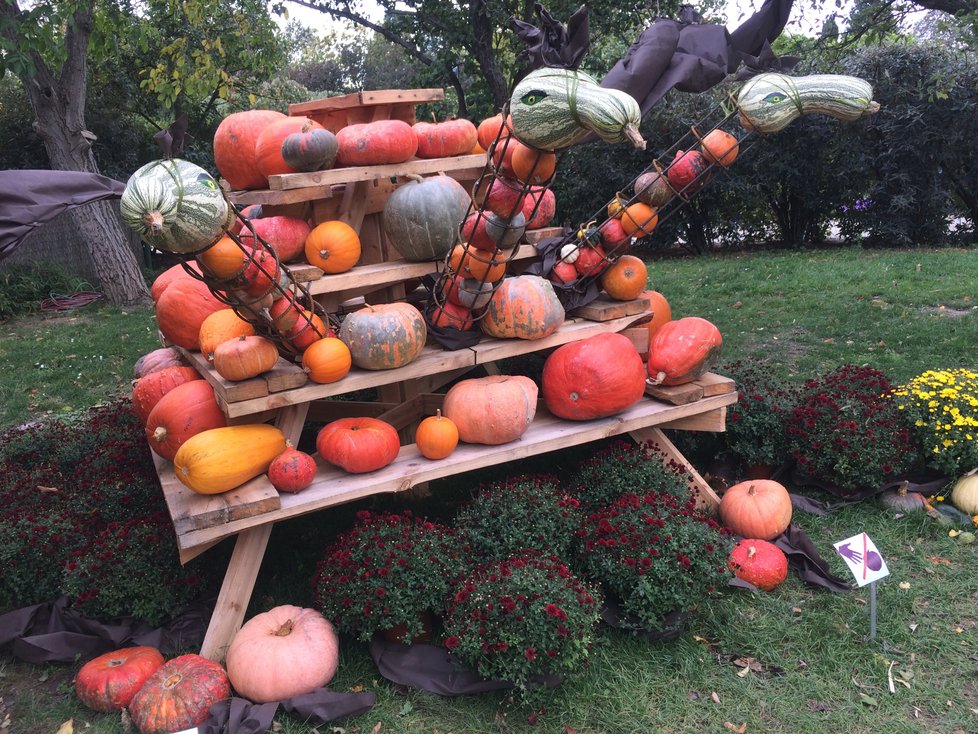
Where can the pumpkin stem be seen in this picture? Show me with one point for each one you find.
(751, 490)
(154, 221)
(659, 377)
(438, 413)
(159, 435)
(752, 551)
(634, 136)
(286, 629)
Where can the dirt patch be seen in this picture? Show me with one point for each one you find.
(948, 311)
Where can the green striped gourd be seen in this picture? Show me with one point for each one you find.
(175, 206)
(768, 102)
(553, 108)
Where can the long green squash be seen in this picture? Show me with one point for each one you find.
(769, 102)
(553, 108)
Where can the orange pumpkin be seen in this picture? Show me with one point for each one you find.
(533, 166)
(446, 138)
(491, 410)
(219, 327)
(625, 279)
(358, 445)
(333, 247)
(234, 147)
(148, 390)
(490, 129)
(436, 436)
(268, 144)
(759, 562)
(179, 695)
(524, 307)
(182, 309)
(661, 311)
(757, 508)
(375, 143)
(326, 360)
(639, 219)
(720, 147)
(224, 260)
(245, 357)
(291, 471)
(108, 683)
(683, 350)
(592, 378)
(385, 336)
(451, 315)
(309, 328)
(220, 459)
(476, 264)
(171, 275)
(184, 411)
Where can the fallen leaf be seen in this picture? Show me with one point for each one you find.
(743, 673)
(737, 304)
(938, 561)
(913, 627)
(954, 533)
(377, 727)
(733, 727)
(407, 708)
(715, 697)
(868, 700)
(570, 730)
(358, 688)
(959, 630)
(67, 728)
(796, 610)
(904, 584)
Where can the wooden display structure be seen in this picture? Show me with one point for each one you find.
(407, 394)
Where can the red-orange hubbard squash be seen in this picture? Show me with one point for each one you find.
(179, 695)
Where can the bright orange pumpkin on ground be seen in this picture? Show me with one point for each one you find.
(436, 436)
(683, 350)
(179, 695)
(184, 411)
(327, 360)
(333, 247)
(757, 508)
(108, 683)
(759, 562)
(625, 279)
(358, 445)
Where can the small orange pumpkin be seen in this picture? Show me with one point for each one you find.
(108, 682)
(327, 360)
(639, 219)
(245, 357)
(720, 147)
(292, 471)
(333, 247)
(179, 695)
(308, 329)
(757, 508)
(533, 166)
(219, 327)
(476, 264)
(759, 562)
(436, 436)
(358, 445)
(224, 260)
(626, 278)
(385, 336)
(491, 128)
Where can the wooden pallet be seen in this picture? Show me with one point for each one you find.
(335, 113)
(707, 386)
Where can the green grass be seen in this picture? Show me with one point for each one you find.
(815, 670)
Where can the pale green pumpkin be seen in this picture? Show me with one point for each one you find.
(553, 108)
(175, 206)
(769, 102)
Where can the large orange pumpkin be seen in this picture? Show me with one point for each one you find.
(184, 411)
(219, 327)
(757, 508)
(524, 307)
(385, 336)
(358, 445)
(376, 143)
(169, 276)
(285, 652)
(625, 279)
(683, 350)
(181, 310)
(179, 695)
(148, 390)
(268, 144)
(234, 147)
(491, 410)
(593, 377)
(333, 247)
(446, 138)
(108, 682)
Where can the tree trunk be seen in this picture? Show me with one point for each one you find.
(485, 54)
(59, 119)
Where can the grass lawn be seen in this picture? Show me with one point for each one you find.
(794, 660)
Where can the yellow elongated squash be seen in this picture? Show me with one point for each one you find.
(220, 459)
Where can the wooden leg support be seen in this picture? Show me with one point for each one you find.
(239, 582)
(703, 492)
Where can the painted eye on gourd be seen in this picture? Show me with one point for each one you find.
(207, 181)
(775, 97)
(531, 98)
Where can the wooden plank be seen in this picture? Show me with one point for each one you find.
(360, 99)
(533, 236)
(226, 391)
(714, 421)
(714, 384)
(639, 336)
(333, 487)
(284, 375)
(232, 600)
(324, 411)
(703, 493)
(291, 196)
(605, 309)
(421, 166)
(190, 510)
(675, 394)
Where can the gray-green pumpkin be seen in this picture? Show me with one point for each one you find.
(175, 206)
(422, 217)
(553, 108)
(769, 102)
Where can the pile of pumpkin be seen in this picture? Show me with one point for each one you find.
(262, 665)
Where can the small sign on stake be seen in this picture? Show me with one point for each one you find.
(867, 566)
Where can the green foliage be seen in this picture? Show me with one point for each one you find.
(23, 287)
(757, 423)
(524, 513)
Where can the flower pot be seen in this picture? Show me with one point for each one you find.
(398, 633)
